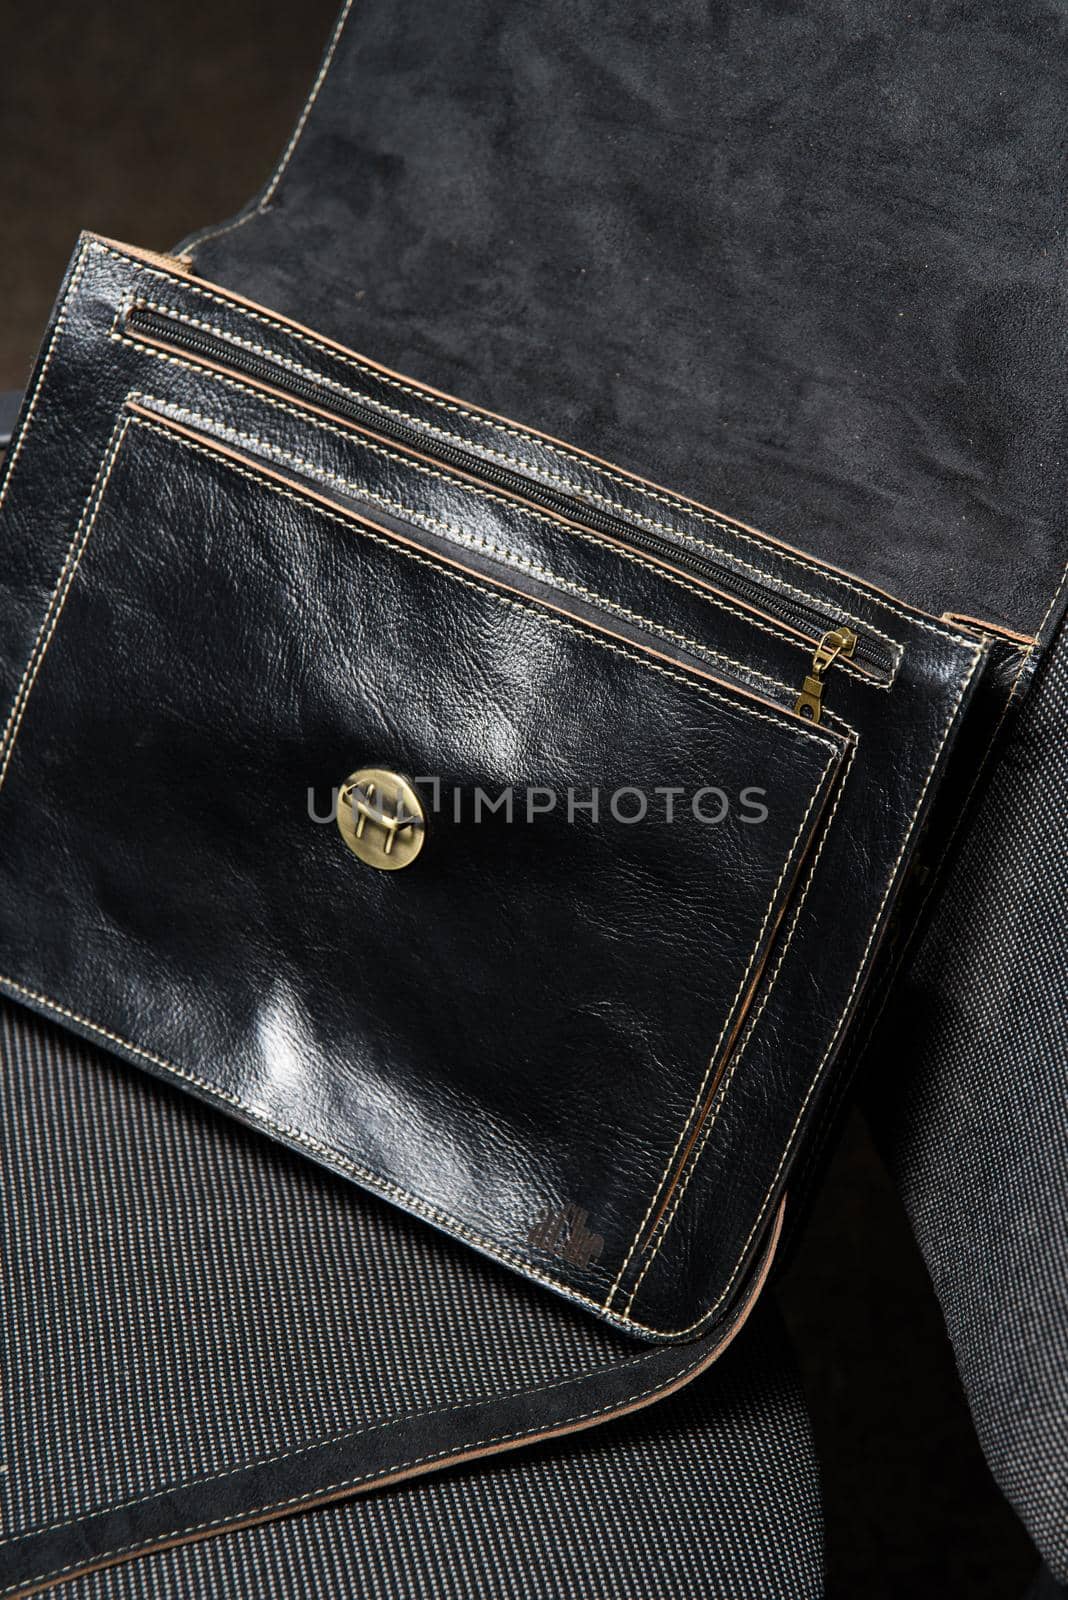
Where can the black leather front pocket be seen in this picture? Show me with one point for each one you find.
(510, 1036)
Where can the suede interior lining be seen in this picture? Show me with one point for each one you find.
(798, 261)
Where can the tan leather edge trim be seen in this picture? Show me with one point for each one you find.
(700, 1119)
(180, 264)
(580, 1425)
(995, 629)
(342, 424)
(214, 446)
(174, 264)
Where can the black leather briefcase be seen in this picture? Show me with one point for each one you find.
(514, 836)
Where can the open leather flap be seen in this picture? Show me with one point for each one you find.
(624, 236)
(798, 264)
(205, 611)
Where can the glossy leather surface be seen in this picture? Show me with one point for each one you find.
(215, 598)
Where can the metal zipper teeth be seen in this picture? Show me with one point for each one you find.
(810, 621)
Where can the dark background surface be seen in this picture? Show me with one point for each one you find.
(147, 122)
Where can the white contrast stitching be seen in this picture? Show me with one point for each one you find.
(635, 486)
(1049, 609)
(127, 260)
(308, 419)
(962, 815)
(58, 600)
(528, 606)
(977, 653)
(287, 154)
(535, 469)
(394, 1468)
(234, 1471)
(455, 531)
(743, 1044)
(635, 517)
(372, 1180)
(275, 179)
(750, 1028)
(585, 463)
(353, 438)
(713, 1060)
(306, 1141)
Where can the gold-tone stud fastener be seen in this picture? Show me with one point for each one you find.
(381, 818)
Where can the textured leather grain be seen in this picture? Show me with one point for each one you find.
(589, 1048)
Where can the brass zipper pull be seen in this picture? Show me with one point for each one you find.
(836, 642)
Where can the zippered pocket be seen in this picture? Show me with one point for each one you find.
(191, 630)
(509, 1030)
(830, 638)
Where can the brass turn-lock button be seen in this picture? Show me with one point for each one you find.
(381, 818)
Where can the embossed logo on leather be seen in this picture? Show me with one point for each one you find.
(564, 1234)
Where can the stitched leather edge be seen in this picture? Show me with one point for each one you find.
(977, 656)
(46, 632)
(308, 416)
(240, 438)
(131, 257)
(286, 157)
(260, 474)
(133, 260)
(742, 1043)
(58, 598)
(81, 258)
(399, 1472)
(530, 468)
(246, 309)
